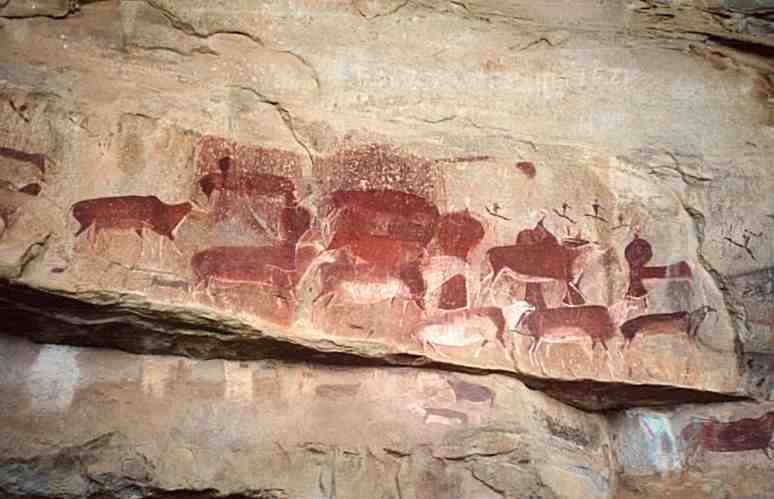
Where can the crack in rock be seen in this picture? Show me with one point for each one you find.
(285, 116)
(189, 29)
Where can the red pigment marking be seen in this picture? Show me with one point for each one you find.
(734, 436)
(454, 293)
(638, 253)
(376, 166)
(246, 179)
(378, 250)
(458, 233)
(538, 254)
(593, 320)
(273, 265)
(386, 212)
(527, 168)
(130, 212)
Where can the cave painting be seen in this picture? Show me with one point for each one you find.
(135, 213)
(638, 253)
(748, 434)
(687, 323)
(539, 258)
(373, 250)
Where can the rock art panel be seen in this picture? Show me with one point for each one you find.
(381, 248)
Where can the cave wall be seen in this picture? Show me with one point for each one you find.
(429, 212)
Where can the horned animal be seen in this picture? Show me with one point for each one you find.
(539, 263)
(557, 325)
(135, 213)
(666, 323)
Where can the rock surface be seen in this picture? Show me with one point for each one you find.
(81, 426)
(570, 196)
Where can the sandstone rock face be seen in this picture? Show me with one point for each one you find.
(570, 195)
(283, 430)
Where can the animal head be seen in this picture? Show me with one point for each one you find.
(515, 313)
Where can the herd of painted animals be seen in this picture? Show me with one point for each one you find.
(368, 246)
(373, 245)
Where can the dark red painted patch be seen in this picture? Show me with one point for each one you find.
(254, 184)
(527, 168)
(454, 293)
(593, 320)
(734, 436)
(459, 233)
(638, 253)
(378, 166)
(130, 212)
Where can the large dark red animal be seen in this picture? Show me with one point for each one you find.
(135, 213)
(562, 324)
(732, 436)
(540, 262)
(457, 233)
(272, 266)
(246, 184)
(382, 212)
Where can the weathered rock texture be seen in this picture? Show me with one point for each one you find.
(572, 195)
(165, 423)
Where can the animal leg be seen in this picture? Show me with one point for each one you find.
(93, 236)
(485, 289)
(538, 361)
(514, 347)
(434, 349)
(403, 314)
(195, 287)
(208, 289)
(531, 350)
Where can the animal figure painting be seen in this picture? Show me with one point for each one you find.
(375, 248)
(136, 213)
(748, 434)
